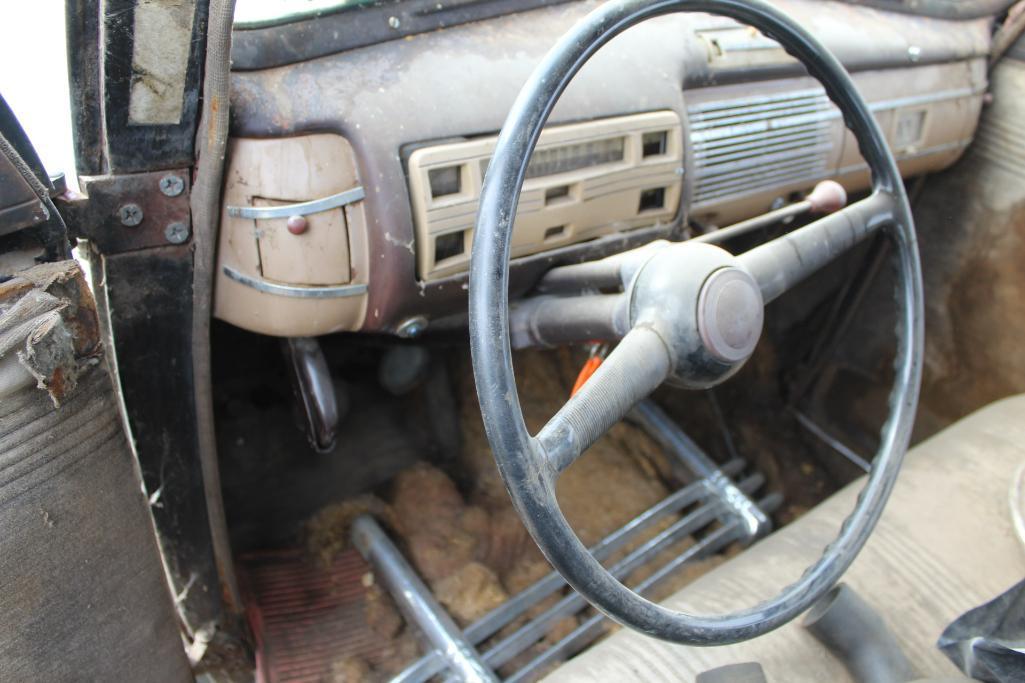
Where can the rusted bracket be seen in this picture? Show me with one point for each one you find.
(131, 212)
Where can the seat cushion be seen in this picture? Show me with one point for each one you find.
(945, 544)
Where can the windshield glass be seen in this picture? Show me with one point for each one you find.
(260, 13)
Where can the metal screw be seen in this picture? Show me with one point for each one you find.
(130, 214)
(394, 22)
(176, 233)
(413, 327)
(172, 185)
(914, 53)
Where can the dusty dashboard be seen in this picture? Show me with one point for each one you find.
(352, 182)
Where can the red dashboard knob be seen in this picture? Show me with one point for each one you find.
(297, 225)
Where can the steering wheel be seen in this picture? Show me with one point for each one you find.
(695, 314)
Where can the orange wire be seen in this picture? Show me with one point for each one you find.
(585, 373)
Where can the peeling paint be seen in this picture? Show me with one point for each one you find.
(399, 243)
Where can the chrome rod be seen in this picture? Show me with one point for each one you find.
(826, 197)
(653, 420)
(490, 623)
(415, 601)
(591, 629)
(508, 611)
(831, 441)
(529, 633)
(744, 227)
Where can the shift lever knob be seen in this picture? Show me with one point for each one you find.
(827, 197)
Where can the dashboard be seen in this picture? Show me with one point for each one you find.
(352, 178)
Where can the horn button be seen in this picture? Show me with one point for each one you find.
(706, 307)
(730, 314)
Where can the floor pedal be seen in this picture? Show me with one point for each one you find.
(305, 617)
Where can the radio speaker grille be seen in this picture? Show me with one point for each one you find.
(743, 145)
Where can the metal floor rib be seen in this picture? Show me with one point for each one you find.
(712, 512)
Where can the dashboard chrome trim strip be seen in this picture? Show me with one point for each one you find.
(716, 106)
(927, 98)
(906, 156)
(300, 209)
(783, 116)
(295, 291)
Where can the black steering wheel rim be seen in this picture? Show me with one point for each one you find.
(528, 476)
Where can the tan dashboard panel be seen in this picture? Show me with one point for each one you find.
(584, 180)
(308, 281)
(928, 116)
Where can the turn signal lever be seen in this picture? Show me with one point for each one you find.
(827, 197)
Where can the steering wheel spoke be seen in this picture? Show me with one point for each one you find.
(635, 368)
(785, 261)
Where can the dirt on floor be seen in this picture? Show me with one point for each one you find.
(458, 529)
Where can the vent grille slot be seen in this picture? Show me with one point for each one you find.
(748, 144)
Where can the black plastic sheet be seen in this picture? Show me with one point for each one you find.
(988, 642)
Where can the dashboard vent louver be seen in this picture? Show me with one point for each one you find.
(746, 144)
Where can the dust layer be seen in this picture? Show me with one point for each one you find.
(459, 531)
